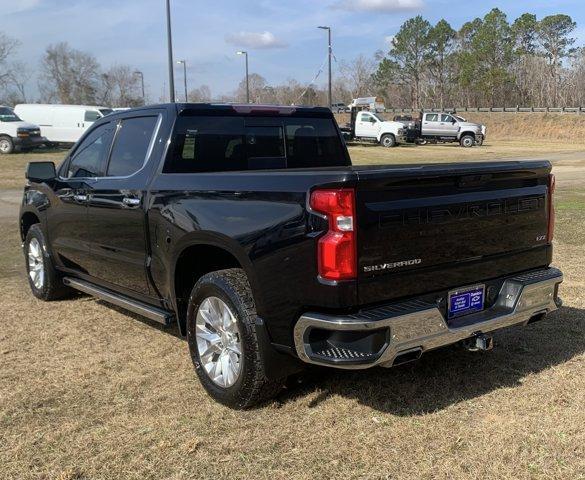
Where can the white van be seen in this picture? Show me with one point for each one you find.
(61, 123)
(16, 135)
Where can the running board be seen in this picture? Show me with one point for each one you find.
(153, 313)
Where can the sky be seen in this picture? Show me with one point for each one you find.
(281, 36)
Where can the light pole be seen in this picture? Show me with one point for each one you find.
(138, 72)
(330, 54)
(243, 52)
(184, 76)
(170, 54)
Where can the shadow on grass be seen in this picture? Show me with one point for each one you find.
(448, 376)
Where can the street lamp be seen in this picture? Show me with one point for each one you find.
(170, 54)
(184, 76)
(138, 72)
(243, 52)
(330, 53)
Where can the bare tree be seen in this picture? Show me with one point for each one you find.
(69, 75)
(200, 94)
(120, 87)
(357, 75)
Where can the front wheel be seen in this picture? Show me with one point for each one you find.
(388, 140)
(222, 339)
(45, 282)
(6, 145)
(467, 141)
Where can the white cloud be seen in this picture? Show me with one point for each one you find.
(388, 39)
(379, 6)
(19, 6)
(254, 40)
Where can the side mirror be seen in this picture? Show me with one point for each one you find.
(39, 172)
(453, 121)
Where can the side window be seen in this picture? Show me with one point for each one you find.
(365, 117)
(90, 156)
(207, 144)
(446, 118)
(431, 117)
(131, 145)
(91, 116)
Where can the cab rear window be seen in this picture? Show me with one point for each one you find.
(231, 143)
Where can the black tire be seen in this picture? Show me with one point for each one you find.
(6, 145)
(467, 141)
(51, 287)
(251, 386)
(388, 140)
(420, 141)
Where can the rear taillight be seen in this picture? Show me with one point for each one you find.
(337, 248)
(551, 208)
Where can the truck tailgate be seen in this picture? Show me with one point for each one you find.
(428, 228)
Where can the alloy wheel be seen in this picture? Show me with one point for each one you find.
(36, 266)
(218, 342)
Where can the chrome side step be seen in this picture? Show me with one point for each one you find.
(153, 313)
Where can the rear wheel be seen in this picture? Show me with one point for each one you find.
(6, 145)
(45, 282)
(467, 141)
(388, 140)
(222, 340)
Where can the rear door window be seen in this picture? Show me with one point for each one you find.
(432, 117)
(131, 146)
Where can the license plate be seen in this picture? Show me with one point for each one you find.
(466, 300)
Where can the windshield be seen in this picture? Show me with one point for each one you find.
(378, 117)
(106, 111)
(8, 115)
(461, 119)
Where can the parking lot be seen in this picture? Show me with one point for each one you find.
(87, 389)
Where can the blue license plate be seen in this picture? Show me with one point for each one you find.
(466, 300)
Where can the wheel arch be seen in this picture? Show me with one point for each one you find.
(197, 257)
(27, 220)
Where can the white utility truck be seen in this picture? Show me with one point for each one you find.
(368, 126)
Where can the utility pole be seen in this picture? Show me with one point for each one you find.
(170, 54)
(138, 72)
(243, 52)
(184, 62)
(330, 55)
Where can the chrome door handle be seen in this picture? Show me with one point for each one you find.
(131, 202)
(80, 197)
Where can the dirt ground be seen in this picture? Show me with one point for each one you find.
(88, 391)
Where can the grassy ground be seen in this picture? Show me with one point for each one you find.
(90, 392)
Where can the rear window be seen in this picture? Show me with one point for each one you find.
(230, 143)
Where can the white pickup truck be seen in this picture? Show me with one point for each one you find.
(17, 135)
(370, 126)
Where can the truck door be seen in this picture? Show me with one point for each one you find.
(431, 124)
(117, 217)
(68, 217)
(366, 125)
(449, 125)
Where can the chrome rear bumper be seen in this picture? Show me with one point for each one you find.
(417, 326)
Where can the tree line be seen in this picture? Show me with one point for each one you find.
(487, 62)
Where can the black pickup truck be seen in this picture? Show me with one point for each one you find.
(249, 227)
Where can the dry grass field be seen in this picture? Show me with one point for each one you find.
(88, 391)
